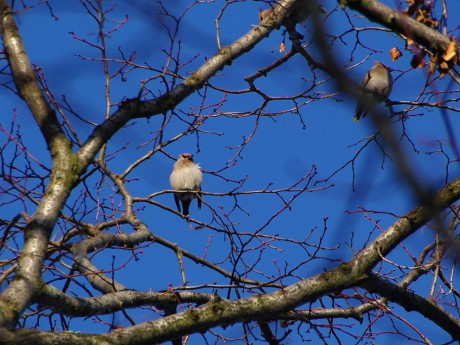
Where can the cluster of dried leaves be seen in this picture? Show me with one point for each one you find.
(421, 11)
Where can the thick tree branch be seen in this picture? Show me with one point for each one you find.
(84, 265)
(18, 295)
(407, 225)
(27, 287)
(374, 10)
(135, 108)
(272, 305)
(67, 167)
(413, 302)
(52, 298)
(26, 82)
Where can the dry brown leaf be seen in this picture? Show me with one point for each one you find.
(434, 23)
(433, 63)
(395, 54)
(451, 51)
(282, 47)
(444, 65)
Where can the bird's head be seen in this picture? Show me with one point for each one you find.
(186, 157)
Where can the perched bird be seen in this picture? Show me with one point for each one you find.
(186, 179)
(377, 85)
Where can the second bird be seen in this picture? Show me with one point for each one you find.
(377, 85)
(186, 178)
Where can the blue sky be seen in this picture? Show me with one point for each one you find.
(281, 151)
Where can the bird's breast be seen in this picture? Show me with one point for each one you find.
(186, 179)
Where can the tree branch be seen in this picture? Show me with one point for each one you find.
(269, 306)
(18, 295)
(50, 297)
(426, 37)
(135, 108)
(413, 302)
(25, 80)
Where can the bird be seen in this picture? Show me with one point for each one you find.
(186, 179)
(376, 85)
